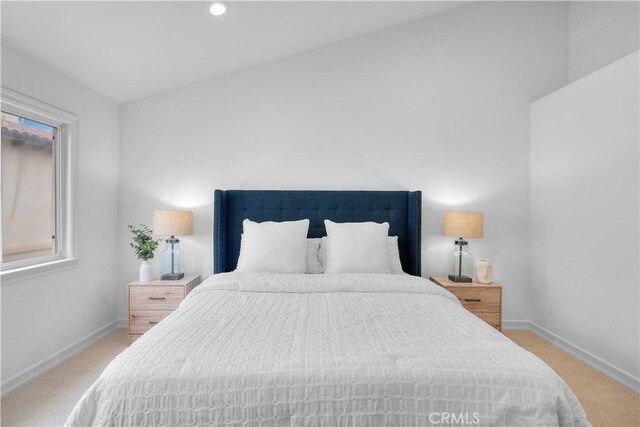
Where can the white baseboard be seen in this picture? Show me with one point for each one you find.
(123, 323)
(581, 354)
(517, 325)
(54, 360)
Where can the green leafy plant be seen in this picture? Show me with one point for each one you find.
(143, 243)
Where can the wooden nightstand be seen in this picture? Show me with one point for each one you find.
(150, 302)
(485, 301)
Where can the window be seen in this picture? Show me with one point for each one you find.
(37, 170)
(29, 217)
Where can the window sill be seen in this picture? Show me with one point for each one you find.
(14, 275)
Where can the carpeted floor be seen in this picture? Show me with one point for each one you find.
(48, 400)
(606, 402)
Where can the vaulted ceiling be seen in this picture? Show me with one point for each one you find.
(128, 50)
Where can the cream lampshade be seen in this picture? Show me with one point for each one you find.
(461, 225)
(172, 223)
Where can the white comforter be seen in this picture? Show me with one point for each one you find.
(339, 350)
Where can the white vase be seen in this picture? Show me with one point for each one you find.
(145, 272)
(484, 272)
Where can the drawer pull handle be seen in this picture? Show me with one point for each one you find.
(151, 322)
(472, 300)
(157, 298)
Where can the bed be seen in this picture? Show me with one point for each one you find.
(324, 349)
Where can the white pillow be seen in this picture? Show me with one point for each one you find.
(313, 257)
(273, 247)
(393, 254)
(357, 247)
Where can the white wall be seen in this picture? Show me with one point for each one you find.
(601, 32)
(585, 212)
(43, 315)
(440, 104)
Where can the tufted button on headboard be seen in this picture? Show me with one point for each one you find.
(401, 209)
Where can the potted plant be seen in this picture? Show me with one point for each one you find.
(143, 245)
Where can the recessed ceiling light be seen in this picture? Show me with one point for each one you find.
(219, 8)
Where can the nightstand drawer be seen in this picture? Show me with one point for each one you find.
(149, 297)
(491, 318)
(140, 321)
(484, 300)
(150, 302)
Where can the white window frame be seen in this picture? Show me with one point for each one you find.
(66, 172)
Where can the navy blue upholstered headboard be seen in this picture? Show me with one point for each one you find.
(401, 209)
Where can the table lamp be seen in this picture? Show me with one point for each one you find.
(461, 225)
(172, 223)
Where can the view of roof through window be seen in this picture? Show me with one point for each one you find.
(28, 196)
(20, 130)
